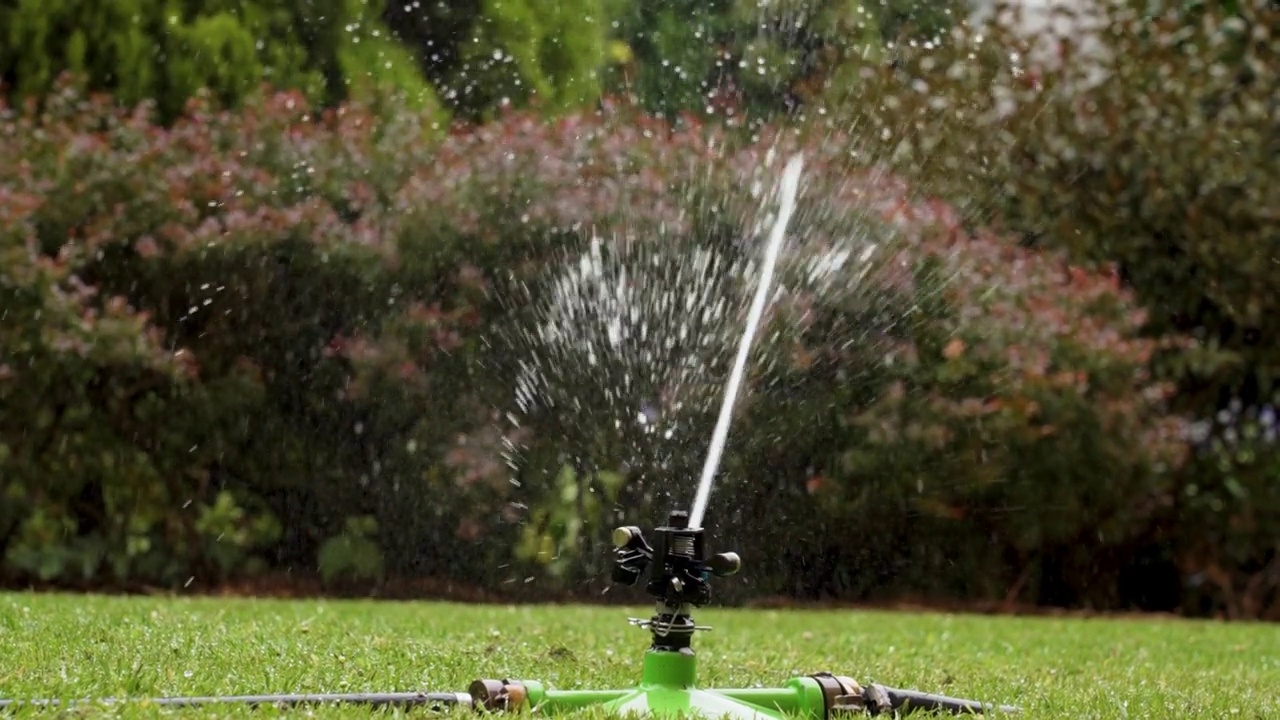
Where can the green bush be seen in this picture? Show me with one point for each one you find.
(352, 555)
(247, 242)
(335, 298)
(1147, 138)
(739, 60)
(84, 378)
(1051, 383)
(745, 61)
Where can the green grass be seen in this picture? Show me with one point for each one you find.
(75, 646)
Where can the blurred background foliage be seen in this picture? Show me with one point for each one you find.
(264, 267)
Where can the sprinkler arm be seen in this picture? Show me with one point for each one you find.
(821, 696)
(841, 697)
(845, 696)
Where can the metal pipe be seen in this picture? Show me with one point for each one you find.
(912, 700)
(435, 701)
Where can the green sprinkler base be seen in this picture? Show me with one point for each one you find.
(667, 689)
(676, 572)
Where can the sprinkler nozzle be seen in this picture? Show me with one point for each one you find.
(632, 555)
(623, 536)
(724, 564)
(678, 519)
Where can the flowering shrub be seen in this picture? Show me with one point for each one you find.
(87, 455)
(232, 247)
(1015, 365)
(325, 305)
(1137, 135)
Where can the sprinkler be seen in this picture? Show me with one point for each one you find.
(676, 571)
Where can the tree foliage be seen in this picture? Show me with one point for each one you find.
(166, 51)
(484, 55)
(738, 58)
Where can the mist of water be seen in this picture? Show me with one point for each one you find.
(786, 205)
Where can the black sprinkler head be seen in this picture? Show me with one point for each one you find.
(677, 564)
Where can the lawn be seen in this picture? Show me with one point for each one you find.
(76, 646)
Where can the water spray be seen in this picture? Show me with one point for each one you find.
(675, 571)
(786, 206)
